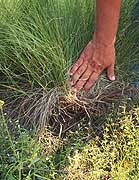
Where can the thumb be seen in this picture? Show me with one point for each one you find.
(110, 72)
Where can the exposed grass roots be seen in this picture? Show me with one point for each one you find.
(60, 113)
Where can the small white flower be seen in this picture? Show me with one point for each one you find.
(47, 158)
(128, 143)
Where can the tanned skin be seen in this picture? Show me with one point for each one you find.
(99, 54)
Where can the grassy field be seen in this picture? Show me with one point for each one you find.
(39, 41)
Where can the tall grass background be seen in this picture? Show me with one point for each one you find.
(40, 40)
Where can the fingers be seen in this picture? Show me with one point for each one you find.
(91, 81)
(82, 81)
(76, 76)
(110, 72)
(78, 63)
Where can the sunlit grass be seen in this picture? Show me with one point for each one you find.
(41, 39)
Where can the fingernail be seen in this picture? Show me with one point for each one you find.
(112, 78)
(70, 73)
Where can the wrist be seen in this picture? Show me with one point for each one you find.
(100, 41)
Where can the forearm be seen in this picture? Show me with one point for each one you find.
(107, 18)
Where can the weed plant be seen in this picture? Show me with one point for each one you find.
(115, 155)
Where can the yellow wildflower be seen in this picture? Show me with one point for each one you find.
(1, 104)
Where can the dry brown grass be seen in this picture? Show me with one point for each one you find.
(60, 112)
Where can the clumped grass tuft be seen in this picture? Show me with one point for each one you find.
(60, 113)
(39, 41)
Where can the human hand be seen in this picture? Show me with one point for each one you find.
(91, 63)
